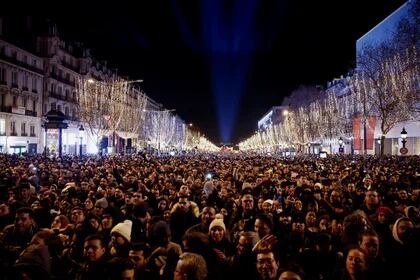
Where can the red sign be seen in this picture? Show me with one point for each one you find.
(403, 150)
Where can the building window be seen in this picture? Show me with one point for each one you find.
(60, 73)
(15, 101)
(32, 130)
(34, 105)
(25, 82)
(34, 84)
(59, 108)
(14, 54)
(34, 63)
(3, 75)
(53, 106)
(59, 90)
(3, 99)
(25, 59)
(23, 129)
(67, 94)
(2, 127)
(13, 128)
(66, 111)
(14, 79)
(24, 101)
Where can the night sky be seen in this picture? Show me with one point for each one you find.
(223, 64)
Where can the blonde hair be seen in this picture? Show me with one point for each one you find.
(193, 266)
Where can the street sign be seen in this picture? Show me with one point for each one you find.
(341, 150)
(403, 150)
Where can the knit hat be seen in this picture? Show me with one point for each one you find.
(269, 201)
(102, 203)
(124, 229)
(217, 223)
(385, 210)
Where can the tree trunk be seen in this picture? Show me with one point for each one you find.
(382, 144)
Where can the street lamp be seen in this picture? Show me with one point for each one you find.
(340, 141)
(81, 129)
(403, 150)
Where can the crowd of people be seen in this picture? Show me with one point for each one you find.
(209, 216)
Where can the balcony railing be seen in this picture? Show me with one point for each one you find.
(24, 134)
(25, 88)
(13, 60)
(71, 67)
(3, 133)
(34, 90)
(61, 79)
(15, 86)
(56, 95)
(13, 133)
(32, 135)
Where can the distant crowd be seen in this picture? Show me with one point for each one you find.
(209, 217)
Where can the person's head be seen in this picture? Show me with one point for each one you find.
(263, 225)
(162, 204)
(160, 234)
(24, 189)
(356, 263)
(120, 268)
(369, 242)
(77, 215)
(217, 230)
(402, 229)
(100, 205)
(260, 203)
(267, 265)
(137, 198)
(310, 219)
(89, 203)
(184, 203)
(267, 206)
(289, 275)
(107, 221)
(335, 197)
(43, 237)
(383, 214)
(190, 267)
(247, 241)
(247, 202)
(371, 198)
(60, 222)
(138, 254)
(24, 219)
(94, 248)
(207, 215)
(298, 205)
(121, 233)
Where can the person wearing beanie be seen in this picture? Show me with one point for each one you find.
(120, 239)
(100, 205)
(402, 253)
(218, 240)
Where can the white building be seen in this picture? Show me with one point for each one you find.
(21, 88)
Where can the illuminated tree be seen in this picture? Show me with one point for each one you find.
(387, 86)
(104, 107)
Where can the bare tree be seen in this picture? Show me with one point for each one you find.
(387, 86)
(103, 105)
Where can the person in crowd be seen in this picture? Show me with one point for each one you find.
(94, 260)
(190, 267)
(120, 239)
